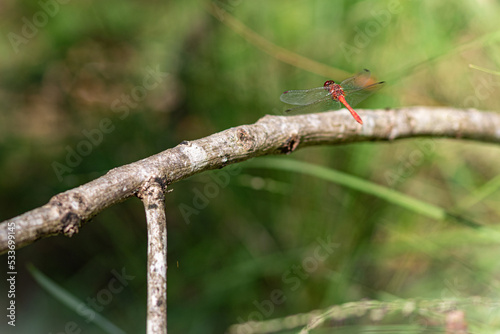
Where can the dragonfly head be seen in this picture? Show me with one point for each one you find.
(328, 83)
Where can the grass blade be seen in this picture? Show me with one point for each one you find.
(71, 301)
(353, 182)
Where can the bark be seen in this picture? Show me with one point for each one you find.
(67, 212)
(153, 197)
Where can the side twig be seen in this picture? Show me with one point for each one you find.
(153, 197)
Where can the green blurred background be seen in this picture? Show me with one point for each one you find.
(222, 69)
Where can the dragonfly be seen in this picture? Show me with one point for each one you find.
(331, 96)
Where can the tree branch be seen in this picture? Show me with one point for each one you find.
(153, 198)
(67, 212)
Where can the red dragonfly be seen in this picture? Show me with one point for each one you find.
(349, 92)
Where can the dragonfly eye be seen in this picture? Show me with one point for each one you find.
(328, 83)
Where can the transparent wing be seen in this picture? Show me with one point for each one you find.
(354, 97)
(357, 81)
(320, 105)
(304, 97)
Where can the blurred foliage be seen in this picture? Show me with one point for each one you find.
(69, 71)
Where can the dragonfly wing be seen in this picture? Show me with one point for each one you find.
(357, 81)
(304, 97)
(320, 105)
(354, 97)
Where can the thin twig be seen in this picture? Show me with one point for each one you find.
(446, 311)
(67, 212)
(154, 203)
(278, 52)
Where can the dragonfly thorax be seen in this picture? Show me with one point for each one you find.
(334, 89)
